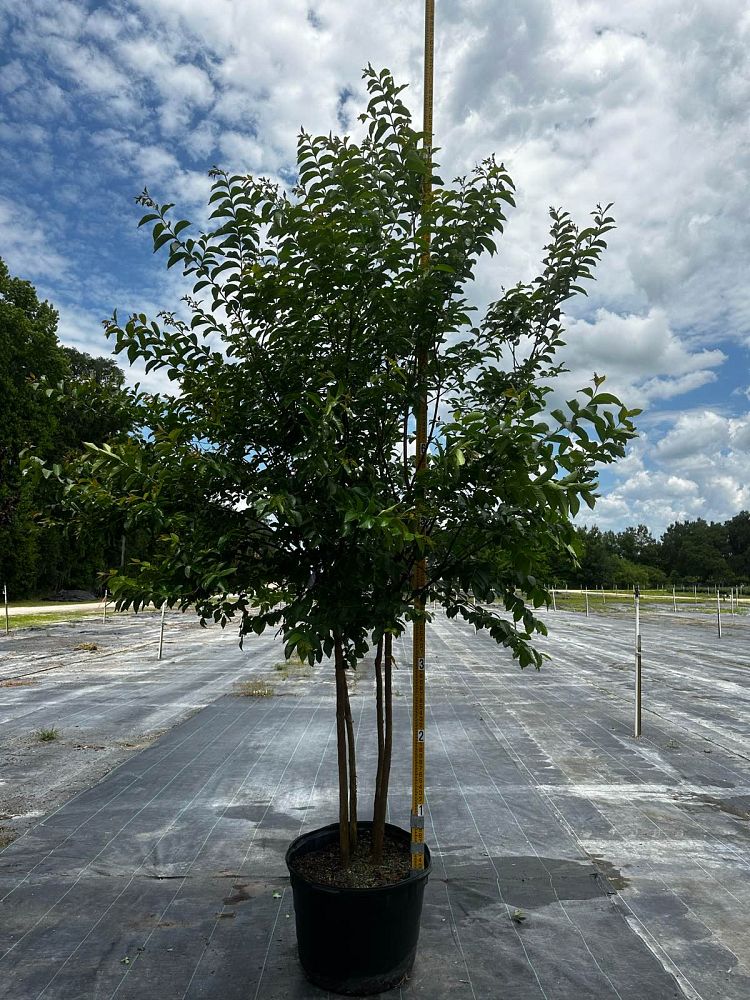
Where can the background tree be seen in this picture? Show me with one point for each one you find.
(28, 351)
(34, 557)
(738, 545)
(688, 553)
(637, 545)
(695, 552)
(280, 483)
(598, 563)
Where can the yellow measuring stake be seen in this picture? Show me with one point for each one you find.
(419, 650)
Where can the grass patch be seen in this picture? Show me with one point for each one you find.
(17, 682)
(34, 621)
(47, 735)
(41, 602)
(63, 617)
(654, 600)
(88, 647)
(252, 689)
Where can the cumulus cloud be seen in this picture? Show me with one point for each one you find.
(698, 467)
(12, 76)
(30, 247)
(644, 359)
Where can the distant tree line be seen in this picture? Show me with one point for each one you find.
(36, 557)
(689, 553)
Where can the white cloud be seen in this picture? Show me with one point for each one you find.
(12, 76)
(29, 246)
(79, 328)
(635, 346)
(144, 163)
(703, 432)
(699, 468)
(665, 388)
(247, 151)
(644, 359)
(91, 69)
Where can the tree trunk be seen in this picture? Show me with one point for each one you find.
(341, 701)
(381, 799)
(352, 766)
(380, 724)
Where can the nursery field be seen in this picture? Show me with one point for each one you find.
(569, 859)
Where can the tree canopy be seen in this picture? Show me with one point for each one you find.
(280, 478)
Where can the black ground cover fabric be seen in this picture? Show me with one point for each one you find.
(167, 878)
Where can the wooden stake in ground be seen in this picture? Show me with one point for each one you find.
(104, 612)
(419, 651)
(161, 628)
(637, 597)
(554, 602)
(718, 611)
(5, 601)
(587, 602)
(674, 600)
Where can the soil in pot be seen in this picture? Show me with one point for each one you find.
(324, 867)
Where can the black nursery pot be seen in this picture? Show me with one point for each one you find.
(356, 941)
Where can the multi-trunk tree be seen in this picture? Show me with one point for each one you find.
(280, 477)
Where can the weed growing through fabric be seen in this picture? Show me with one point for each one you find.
(47, 735)
(252, 689)
(18, 682)
(295, 668)
(87, 647)
(6, 837)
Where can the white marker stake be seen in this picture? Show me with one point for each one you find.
(104, 613)
(674, 601)
(554, 602)
(161, 630)
(587, 602)
(718, 611)
(5, 600)
(637, 727)
(695, 593)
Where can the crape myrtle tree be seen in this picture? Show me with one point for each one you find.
(280, 478)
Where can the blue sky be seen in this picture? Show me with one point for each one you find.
(643, 104)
